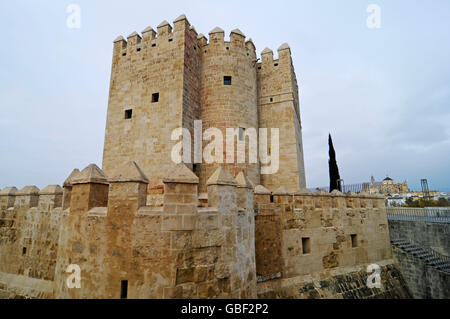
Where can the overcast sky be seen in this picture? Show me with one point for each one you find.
(384, 94)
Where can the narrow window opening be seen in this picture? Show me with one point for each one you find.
(228, 48)
(259, 68)
(170, 40)
(241, 133)
(124, 289)
(227, 80)
(155, 97)
(24, 250)
(354, 238)
(271, 99)
(271, 199)
(195, 47)
(124, 54)
(194, 168)
(128, 114)
(154, 45)
(138, 49)
(276, 64)
(306, 245)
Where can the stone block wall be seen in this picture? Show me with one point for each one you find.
(302, 238)
(29, 230)
(176, 250)
(188, 72)
(278, 107)
(431, 234)
(233, 242)
(423, 280)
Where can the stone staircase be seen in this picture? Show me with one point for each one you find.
(431, 257)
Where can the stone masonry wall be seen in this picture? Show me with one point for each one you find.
(423, 280)
(188, 73)
(189, 248)
(29, 241)
(228, 106)
(175, 251)
(322, 236)
(434, 235)
(278, 107)
(142, 67)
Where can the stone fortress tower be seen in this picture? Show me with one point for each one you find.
(167, 79)
(144, 227)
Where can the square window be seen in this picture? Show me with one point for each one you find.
(354, 238)
(227, 80)
(128, 114)
(155, 97)
(124, 54)
(138, 49)
(259, 68)
(306, 245)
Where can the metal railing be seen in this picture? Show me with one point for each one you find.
(430, 214)
(355, 188)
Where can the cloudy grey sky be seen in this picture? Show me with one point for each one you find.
(384, 94)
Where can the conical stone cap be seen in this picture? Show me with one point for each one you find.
(237, 31)
(243, 181)
(181, 174)
(9, 191)
(216, 30)
(266, 51)
(163, 24)
(52, 190)
(221, 177)
(28, 190)
(129, 172)
(69, 179)
(91, 174)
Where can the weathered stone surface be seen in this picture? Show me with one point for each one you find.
(51, 189)
(91, 174)
(129, 172)
(155, 239)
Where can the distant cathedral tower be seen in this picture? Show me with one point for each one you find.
(168, 78)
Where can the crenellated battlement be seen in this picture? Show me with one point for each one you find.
(269, 63)
(30, 196)
(234, 241)
(151, 41)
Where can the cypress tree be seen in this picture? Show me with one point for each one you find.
(333, 168)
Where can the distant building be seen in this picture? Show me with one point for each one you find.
(388, 187)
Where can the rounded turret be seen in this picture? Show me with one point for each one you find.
(229, 95)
